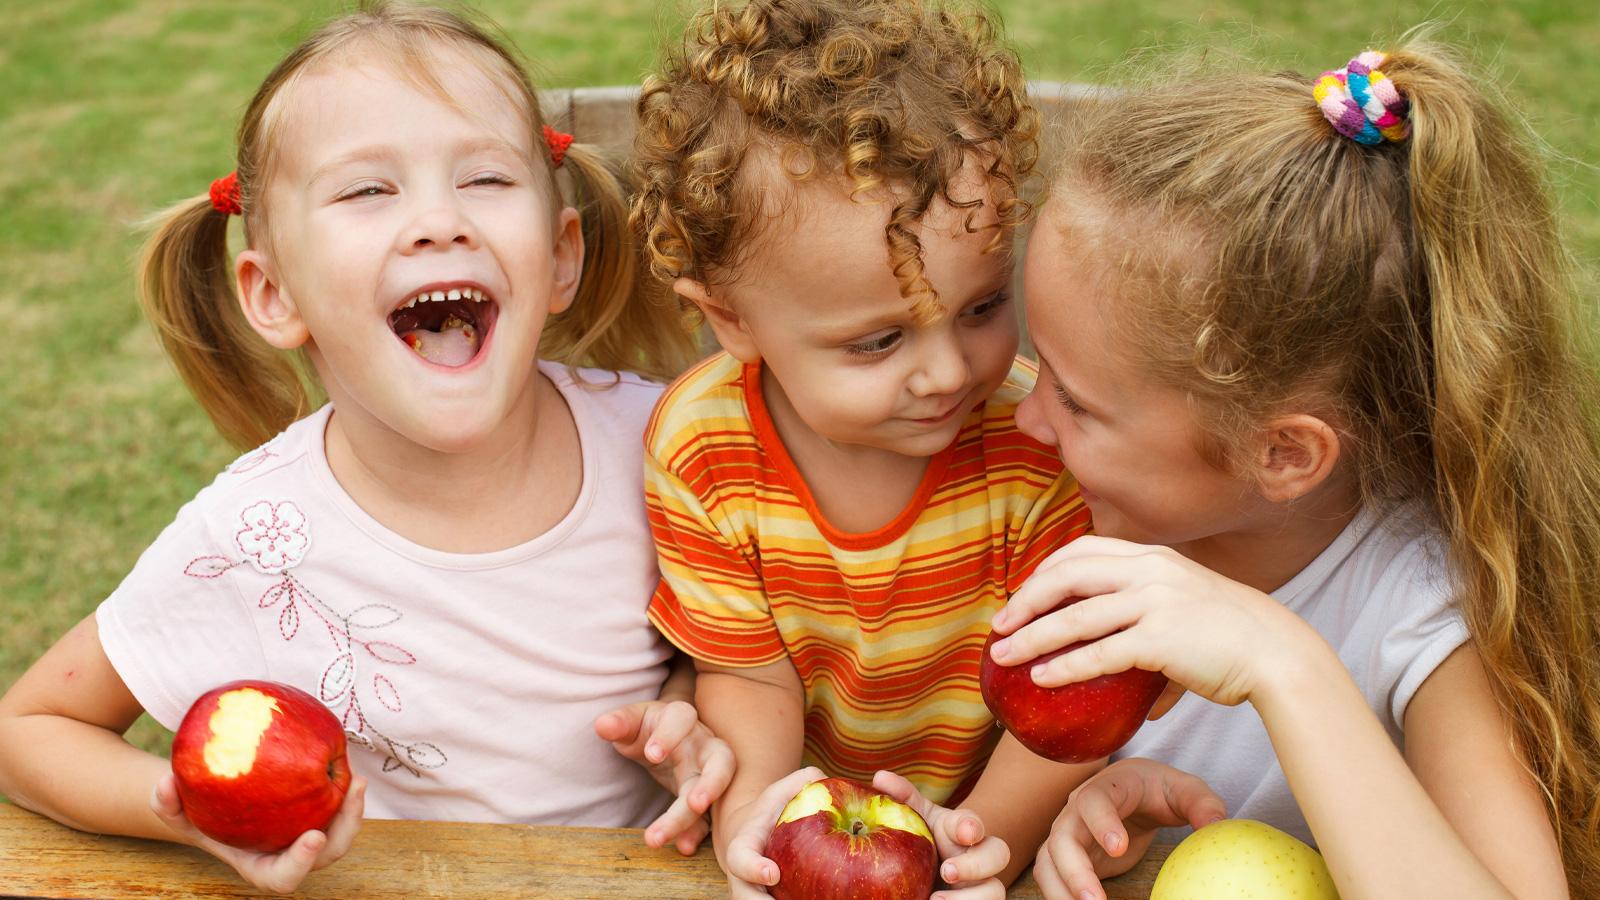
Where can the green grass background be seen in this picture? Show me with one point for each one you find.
(113, 108)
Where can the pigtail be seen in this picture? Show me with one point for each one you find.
(250, 390)
(1515, 429)
(621, 318)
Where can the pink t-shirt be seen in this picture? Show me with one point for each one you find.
(468, 683)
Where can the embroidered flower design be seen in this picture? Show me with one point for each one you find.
(275, 536)
(274, 539)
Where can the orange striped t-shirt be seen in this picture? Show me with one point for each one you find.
(885, 629)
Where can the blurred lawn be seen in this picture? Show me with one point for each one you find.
(112, 108)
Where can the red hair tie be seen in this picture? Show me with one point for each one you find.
(225, 195)
(559, 142)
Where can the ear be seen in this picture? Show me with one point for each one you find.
(1298, 455)
(567, 253)
(731, 330)
(267, 307)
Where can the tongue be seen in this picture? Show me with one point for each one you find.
(454, 344)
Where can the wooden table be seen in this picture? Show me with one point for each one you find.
(395, 859)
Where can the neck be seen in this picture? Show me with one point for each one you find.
(500, 492)
(1265, 554)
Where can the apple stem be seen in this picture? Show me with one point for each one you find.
(857, 826)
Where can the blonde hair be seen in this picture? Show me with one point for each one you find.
(620, 318)
(1421, 293)
(894, 94)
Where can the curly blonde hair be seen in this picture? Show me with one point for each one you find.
(891, 94)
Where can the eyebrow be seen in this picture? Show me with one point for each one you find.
(379, 153)
(876, 323)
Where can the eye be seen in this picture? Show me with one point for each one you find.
(364, 189)
(490, 178)
(1066, 401)
(877, 345)
(988, 309)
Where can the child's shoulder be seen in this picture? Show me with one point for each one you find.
(616, 401)
(709, 397)
(1019, 382)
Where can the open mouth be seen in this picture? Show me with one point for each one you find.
(446, 326)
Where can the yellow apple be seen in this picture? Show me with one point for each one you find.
(1241, 859)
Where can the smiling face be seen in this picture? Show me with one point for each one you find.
(859, 364)
(1133, 443)
(414, 242)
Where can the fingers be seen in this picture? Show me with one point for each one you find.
(1190, 797)
(621, 725)
(744, 860)
(667, 728)
(1087, 567)
(976, 864)
(1082, 621)
(1113, 653)
(901, 789)
(672, 824)
(282, 872)
(1100, 819)
(1170, 695)
(689, 840)
(1063, 872)
(346, 823)
(717, 767)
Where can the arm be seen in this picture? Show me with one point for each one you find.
(1150, 608)
(1461, 820)
(759, 711)
(67, 714)
(1018, 797)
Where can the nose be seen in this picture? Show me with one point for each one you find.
(942, 367)
(438, 221)
(1031, 420)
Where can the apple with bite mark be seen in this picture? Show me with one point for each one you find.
(842, 840)
(258, 763)
(1074, 723)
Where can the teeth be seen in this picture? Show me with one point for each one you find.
(440, 296)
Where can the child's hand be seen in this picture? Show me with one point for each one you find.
(970, 861)
(1110, 820)
(1150, 608)
(279, 872)
(668, 739)
(742, 853)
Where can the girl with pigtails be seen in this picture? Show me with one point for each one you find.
(451, 553)
(1312, 349)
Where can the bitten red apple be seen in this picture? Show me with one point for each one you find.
(842, 840)
(258, 763)
(1073, 723)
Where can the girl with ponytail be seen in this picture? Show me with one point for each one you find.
(452, 553)
(1312, 350)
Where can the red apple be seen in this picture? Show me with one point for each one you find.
(258, 763)
(842, 840)
(1073, 723)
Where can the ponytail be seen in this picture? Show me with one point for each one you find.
(621, 318)
(250, 390)
(1514, 427)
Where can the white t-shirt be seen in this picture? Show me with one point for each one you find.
(467, 683)
(1381, 594)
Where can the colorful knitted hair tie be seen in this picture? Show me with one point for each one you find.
(1362, 103)
(559, 142)
(225, 195)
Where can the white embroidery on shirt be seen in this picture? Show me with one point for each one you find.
(275, 538)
